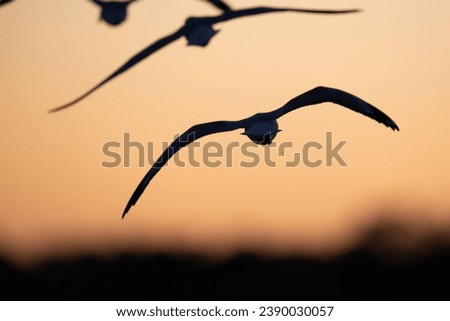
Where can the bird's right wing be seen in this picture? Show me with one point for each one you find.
(192, 134)
(161, 43)
(324, 94)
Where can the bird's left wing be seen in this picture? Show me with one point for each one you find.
(159, 44)
(324, 94)
(192, 134)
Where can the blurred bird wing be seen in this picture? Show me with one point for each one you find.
(189, 136)
(324, 94)
(159, 44)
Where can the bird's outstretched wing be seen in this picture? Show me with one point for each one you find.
(233, 14)
(161, 43)
(219, 4)
(324, 94)
(192, 134)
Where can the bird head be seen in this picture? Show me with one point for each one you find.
(262, 133)
(201, 35)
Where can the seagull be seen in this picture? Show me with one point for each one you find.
(198, 31)
(113, 12)
(262, 128)
(219, 4)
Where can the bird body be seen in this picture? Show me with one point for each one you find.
(262, 127)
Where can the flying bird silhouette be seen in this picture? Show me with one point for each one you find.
(198, 31)
(113, 12)
(219, 4)
(261, 128)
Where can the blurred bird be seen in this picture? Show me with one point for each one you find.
(198, 31)
(262, 128)
(113, 12)
(2, 2)
(219, 4)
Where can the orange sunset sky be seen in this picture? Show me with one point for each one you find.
(57, 199)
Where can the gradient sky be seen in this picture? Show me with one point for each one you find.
(56, 198)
